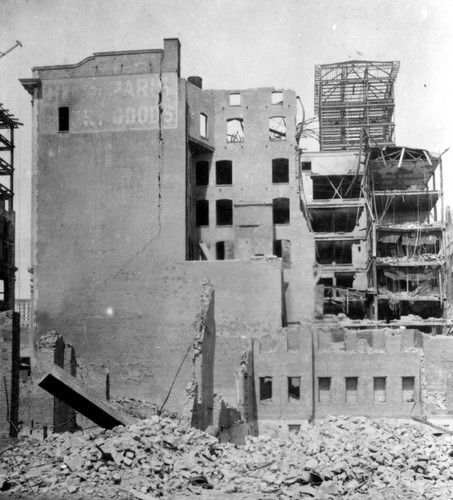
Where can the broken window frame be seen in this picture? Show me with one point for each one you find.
(224, 212)
(224, 173)
(281, 211)
(204, 125)
(266, 389)
(63, 119)
(280, 171)
(202, 213)
(234, 99)
(333, 187)
(324, 389)
(277, 128)
(235, 130)
(294, 389)
(202, 173)
(277, 97)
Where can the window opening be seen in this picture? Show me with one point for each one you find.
(63, 119)
(202, 213)
(408, 389)
(379, 389)
(224, 172)
(265, 388)
(351, 389)
(334, 252)
(282, 249)
(293, 428)
(220, 250)
(224, 212)
(280, 170)
(324, 389)
(235, 130)
(306, 165)
(293, 388)
(280, 210)
(202, 173)
(277, 97)
(328, 187)
(235, 99)
(203, 125)
(277, 128)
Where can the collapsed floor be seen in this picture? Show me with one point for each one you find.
(353, 457)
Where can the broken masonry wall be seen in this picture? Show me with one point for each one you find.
(281, 356)
(9, 373)
(39, 409)
(203, 355)
(150, 329)
(438, 351)
(366, 355)
(253, 190)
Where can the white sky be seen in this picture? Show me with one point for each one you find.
(235, 44)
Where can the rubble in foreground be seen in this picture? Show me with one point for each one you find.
(351, 457)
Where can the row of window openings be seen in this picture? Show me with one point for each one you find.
(282, 249)
(224, 172)
(235, 128)
(351, 389)
(224, 212)
(235, 98)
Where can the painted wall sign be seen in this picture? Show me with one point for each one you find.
(126, 102)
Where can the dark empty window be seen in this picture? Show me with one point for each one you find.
(202, 173)
(335, 187)
(324, 389)
(235, 130)
(280, 170)
(224, 212)
(293, 388)
(202, 213)
(220, 250)
(265, 388)
(333, 252)
(224, 172)
(351, 389)
(408, 389)
(293, 428)
(306, 165)
(277, 128)
(63, 119)
(280, 210)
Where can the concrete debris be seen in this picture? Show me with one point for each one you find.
(351, 457)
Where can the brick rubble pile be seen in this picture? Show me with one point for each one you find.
(155, 458)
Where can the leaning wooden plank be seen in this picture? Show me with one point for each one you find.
(86, 401)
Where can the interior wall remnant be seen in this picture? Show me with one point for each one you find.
(9, 373)
(199, 405)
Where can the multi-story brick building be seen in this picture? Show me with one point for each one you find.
(145, 184)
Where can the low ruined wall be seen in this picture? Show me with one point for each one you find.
(141, 336)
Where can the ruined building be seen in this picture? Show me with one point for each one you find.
(9, 322)
(145, 184)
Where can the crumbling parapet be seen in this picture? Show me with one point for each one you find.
(9, 373)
